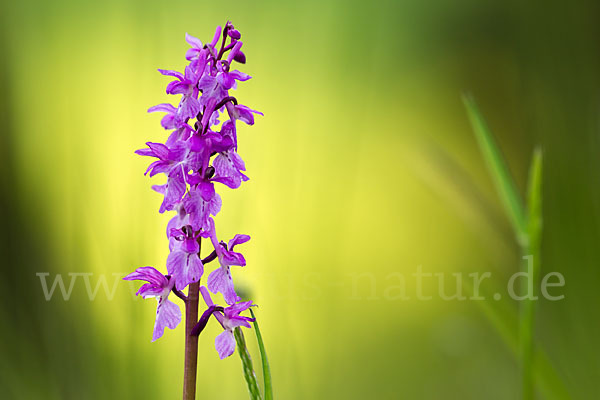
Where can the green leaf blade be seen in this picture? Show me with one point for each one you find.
(534, 201)
(532, 251)
(503, 181)
(249, 374)
(265, 362)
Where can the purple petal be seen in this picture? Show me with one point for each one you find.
(206, 296)
(207, 190)
(232, 182)
(190, 75)
(169, 121)
(162, 189)
(219, 281)
(206, 83)
(191, 246)
(178, 151)
(190, 107)
(174, 191)
(239, 76)
(168, 315)
(158, 167)
(173, 137)
(237, 239)
(234, 322)
(225, 344)
(226, 80)
(192, 54)
(245, 114)
(168, 72)
(177, 221)
(184, 268)
(145, 152)
(227, 169)
(234, 51)
(193, 41)
(234, 34)
(215, 40)
(150, 290)
(232, 258)
(237, 308)
(201, 210)
(149, 274)
(164, 107)
(176, 87)
(176, 233)
(160, 150)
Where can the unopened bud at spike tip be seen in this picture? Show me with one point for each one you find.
(234, 34)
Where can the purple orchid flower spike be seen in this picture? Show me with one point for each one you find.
(229, 318)
(220, 281)
(168, 313)
(201, 150)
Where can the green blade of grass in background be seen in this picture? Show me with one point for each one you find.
(531, 254)
(265, 362)
(534, 201)
(527, 228)
(498, 169)
(249, 374)
(505, 319)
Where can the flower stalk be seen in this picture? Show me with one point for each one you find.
(191, 342)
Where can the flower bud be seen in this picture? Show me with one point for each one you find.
(240, 57)
(234, 34)
(210, 171)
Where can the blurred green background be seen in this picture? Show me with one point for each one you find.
(363, 163)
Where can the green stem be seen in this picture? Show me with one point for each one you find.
(531, 251)
(527, 224)
(265, 361)
(247, 364)
(505, 185)
(526, 334)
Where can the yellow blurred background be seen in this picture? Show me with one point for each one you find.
(363, 168)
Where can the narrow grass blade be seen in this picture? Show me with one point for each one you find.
(534, 201)
(265, 361)
(548, 381)
(247, 364)
(532, 252)
(498, 169)
(501, 315)
(504, 319)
